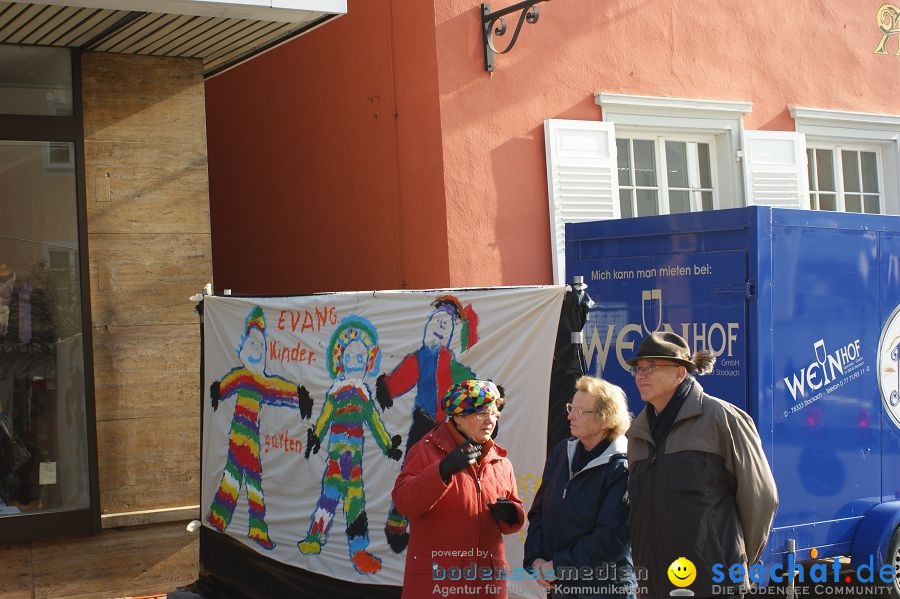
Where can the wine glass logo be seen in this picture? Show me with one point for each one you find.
(647, 297)
(821, 356)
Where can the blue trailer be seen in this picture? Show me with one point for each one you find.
(801, 309)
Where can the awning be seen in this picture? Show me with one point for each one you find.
(222, 33)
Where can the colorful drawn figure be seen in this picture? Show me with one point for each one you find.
(252, 386)
(432, 370)
(352, 354)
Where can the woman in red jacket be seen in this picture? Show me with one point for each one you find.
(459, 492)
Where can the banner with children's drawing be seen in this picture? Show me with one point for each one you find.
(312, 403)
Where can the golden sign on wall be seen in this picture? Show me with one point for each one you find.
(889, 22)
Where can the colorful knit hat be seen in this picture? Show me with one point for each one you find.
(469, 397)
(255, 320)
(353, 328)
(468, 335)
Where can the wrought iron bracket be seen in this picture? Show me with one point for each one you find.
(494, 23)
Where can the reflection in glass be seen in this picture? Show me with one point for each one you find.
(676, 164)
(679, 201)
(809, 171)
(644, 163)
(35, 81)
(624, 161)
(705, 166)
(827, 201)
(825, 170)
(646, 202)
(869, 172)
(43, 438)
(850, 170)
(871, 204)
(625, 203)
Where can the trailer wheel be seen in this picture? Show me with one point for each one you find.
(893, 558)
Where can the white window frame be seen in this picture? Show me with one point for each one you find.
(680, 118)
(837, 166)
(852, 130)
(662, 179)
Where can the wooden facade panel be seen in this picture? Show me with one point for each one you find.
(133, 188)
(126, 562)
(143, 99)
(15, 572)
(148, 463)
(147, 279)
(142, 372)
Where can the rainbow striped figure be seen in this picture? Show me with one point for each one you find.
(253, 387)
(353, 353)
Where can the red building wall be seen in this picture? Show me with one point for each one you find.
(324, 159)
(770, 52)
(454, 190)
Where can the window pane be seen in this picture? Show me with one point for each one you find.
(810, 167)
(35, 81)
(827, 201)
(625, 203)
(646, 202)
(851, 171)
(825, 170)
(676, 163)
(645, 163)
(870, 172)
(871, 204)
(853, 203)
(706, 198)
(705, 167)
(679, 201)
(43, 435)
(813, 202)
(624, 160)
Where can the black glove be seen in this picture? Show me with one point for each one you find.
(394, 452)
(312, 443)
(215, 394)
(305, 402)
(382, 395)
(465, 453)
(504, 511)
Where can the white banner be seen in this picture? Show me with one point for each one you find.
(277, 368)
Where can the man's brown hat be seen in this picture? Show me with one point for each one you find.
(673, 347)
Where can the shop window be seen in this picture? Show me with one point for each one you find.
(47, 438)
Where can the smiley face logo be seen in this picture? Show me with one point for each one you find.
(682, 572)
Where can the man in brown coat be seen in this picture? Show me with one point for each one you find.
(699, 484)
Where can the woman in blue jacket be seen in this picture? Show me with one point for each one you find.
(578, 525)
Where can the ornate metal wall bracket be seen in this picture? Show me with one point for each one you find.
(493, 23)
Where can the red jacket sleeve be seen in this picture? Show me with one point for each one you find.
(513, 495)
(419, 486)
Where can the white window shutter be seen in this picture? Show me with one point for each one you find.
(775, 169)
(582, 179)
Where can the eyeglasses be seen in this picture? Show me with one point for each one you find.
(481, 416)
(650, 368)
(578, 411)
